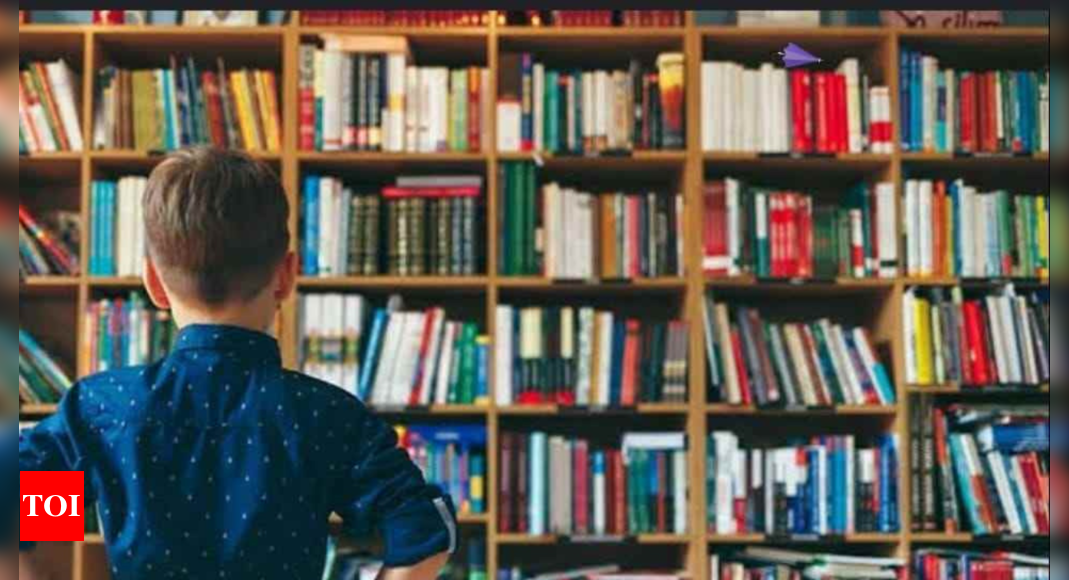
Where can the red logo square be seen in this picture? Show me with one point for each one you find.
(52, 506)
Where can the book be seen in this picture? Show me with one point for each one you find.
(946, 563)
(596, 18)
(125, 332)
(396, 18)
(42, 379)
(772, 233)
(771, 110)
(452, 457)
(421, 226)
(581, 356)
(392, 357)
(953, 229)
(49, 246)
(590, 112)
(972, 112)
(976, 339)
(49, 102)
(830, 486)
(117, 245)
(640, 485)
(790, 364)
(186, 104)
(759, 562)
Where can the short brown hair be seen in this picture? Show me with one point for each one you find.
(216, 223)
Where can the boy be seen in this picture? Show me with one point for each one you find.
(216, 462)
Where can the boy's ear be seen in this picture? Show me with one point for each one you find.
(286, 278)
(154, 285)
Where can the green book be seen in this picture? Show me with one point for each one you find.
(467, 363)
(827, 364)
(633, 491)
(514, 219)
(532, 266)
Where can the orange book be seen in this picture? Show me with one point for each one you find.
(938, 223)
(629, 386)
(44, 93)
(608, 237)
(272, 122)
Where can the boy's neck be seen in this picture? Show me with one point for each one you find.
(250, 316)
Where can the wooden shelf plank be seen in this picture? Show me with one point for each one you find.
(410, 31)
(990, 391)
(132, 283)
(37, 410)
(551, 410)
(550, 539)
(842, 410)
(804, 539)
(538, 283)
(563, 33)
(51, 281)
(388, 282)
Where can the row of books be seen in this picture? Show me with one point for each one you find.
(568, 486)
(587, 357)
(452, 457)
(980, 468)
(42, 381)
(117, 243)
(760, 563)
(390, 356)
(48, 108)
(782, 234)
(993, 339)
(953, 229)
(953, 111)
(575, 111)
(829, 486)
(955, 564)
(423, 225)
(756, 362)
(49, 246)
(593, 18)
(184, 105)
(362, 93)
(399, 18)
(585, 235)
(125, 332)
(772, 110)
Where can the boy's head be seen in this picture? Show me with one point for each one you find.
(218, 235)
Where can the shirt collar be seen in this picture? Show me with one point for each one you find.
(228, 338)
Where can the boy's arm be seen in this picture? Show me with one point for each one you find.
(425, 570)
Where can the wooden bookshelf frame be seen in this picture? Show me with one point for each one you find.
(88, 560)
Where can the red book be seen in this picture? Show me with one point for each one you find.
(801, 107)
(990, 113)
(430, 192)
(619, 493)
(580, 510)
(521, 484)
(610, 495)
(939, 228)
(837, 111)
(715, 231)
(1034, 481)
(821, 112)
(805, 233)
(57, 253)
(474, 116)
(662, 492)
(974, 330)
(629, 382)
(775, 220)
(792, 235)
(964, 119)
(634, 214)
(214, 102)
(740, 364)
(424, 349)
(505, 510)
(810, 347)
(306, 108)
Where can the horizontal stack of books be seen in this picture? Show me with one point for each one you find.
(125, 332)
(595, 18)
(48, 108)
(49, 247)
(952, 111)
(185, 105)
(573, 487)
(575, 111)
(772, 110)
(363, 93)
(42, 381)
(117, 244)
(782, 234)
(585, 235)
(421, 226)
(982, 468)
(952, 229)
(397, 18)
(582, 356)
(409, 358)
(950, 564)
(830, 486)
(816, 364)
(452, 457)
(993, 339)
(762, 563)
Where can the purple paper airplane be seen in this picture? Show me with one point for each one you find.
(794, 56)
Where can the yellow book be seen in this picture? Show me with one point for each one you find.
(241, 99)
(1043, 224)
(922, 321)
(271, 121)
(950, 236)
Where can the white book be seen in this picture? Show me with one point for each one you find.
(733, 191)
(394, 123)
(910, 225)
(486, 110)
(998, 339)
(887, 228)
(380, 391)
(840, 364)
(797, 355)
(937, 354)
(602, 105)
(553, 212)
(1018, 480)
(929, 70)
(333, 62)
(925, 226)
(773, 474)
(586, 356)
(326, 223)
(679, 492)
(725, 445)
(1013, 348)
(1000, 121)
(850, 69)
(967, 251)
(868, 359)
(951, 109)
(503, 355)
(353, 331)
(739, 489)
(538, 90)
(62, 83)
(822, 489)
(1028, 348)
(333, 333)
(538, 478)
(508, 126)
(708, 98)
(765, 126)
(413, 107)
(407, 364)
(446, 362)
(433, 356)
(1005, 494)
(783, 128)
(440, 112)
(599, 495)
(604, 360)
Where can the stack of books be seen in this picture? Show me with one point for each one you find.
(783, 234)
(575, 111)
(582, 356)
(396, 18)
(363, 93)
(767, 364)
(42, 381)
(49, 247)
(452, 457)
(421, 226)
(117, 244)
(584, 236)
(48, 108)
(952, 229)
(125, 332)
(573, 487)
(952, 111)
(775, 111)
(596, 18)
(829, 486)
(185, 105)
(759, 562)
(992, 339)
(948, 564)
(982, 469)
(392, 357)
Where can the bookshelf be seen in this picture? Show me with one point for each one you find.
(52, 307)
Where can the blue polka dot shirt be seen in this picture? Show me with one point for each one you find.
(217, 463)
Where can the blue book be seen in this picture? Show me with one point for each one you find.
(1020, 503)
(170, 123)
(884, 519)
(108, 230)
(482, 362)
(904, 96)
(104, 348)
(619, 336)
(538, 492)
(527, 113)
(965, 487)
(1021, 438)
(839, 479)
(311, 225)
(370, 359)
(941, 115)
(954, 190)
(94, 228)
(917, 100)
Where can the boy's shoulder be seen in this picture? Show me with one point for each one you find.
(322, 392)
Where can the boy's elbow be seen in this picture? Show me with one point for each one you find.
(428, 569)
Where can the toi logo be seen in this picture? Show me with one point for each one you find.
(52, 506)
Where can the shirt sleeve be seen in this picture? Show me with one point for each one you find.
(9, 485)
(381, 489)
